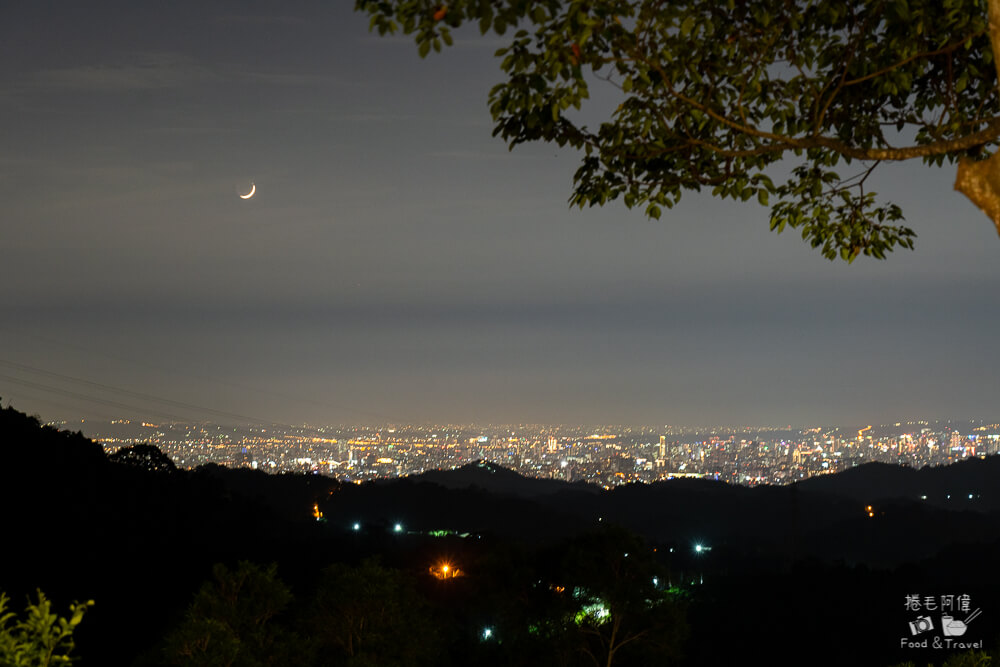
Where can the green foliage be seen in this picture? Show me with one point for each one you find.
(230, 620)
(718, 94)
(41, 638)
(621, 615)
(969, 659)
(358, 615)
(371, 615)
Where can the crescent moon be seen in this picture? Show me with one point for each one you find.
(253, 189)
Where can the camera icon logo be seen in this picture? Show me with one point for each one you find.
(921, 624)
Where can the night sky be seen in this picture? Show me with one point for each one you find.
(399, 264)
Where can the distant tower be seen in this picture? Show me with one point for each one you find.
(243, 458)
(553, 444)
(661, 456)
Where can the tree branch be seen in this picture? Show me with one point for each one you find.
(990, 133)
(904, 61)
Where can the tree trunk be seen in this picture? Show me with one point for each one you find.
(980, 180)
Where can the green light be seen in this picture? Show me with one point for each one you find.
(595, 613)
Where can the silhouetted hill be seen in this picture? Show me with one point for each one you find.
(825, 517)
(138, 541)
(493, 478)
(967, 485)
(28, 443)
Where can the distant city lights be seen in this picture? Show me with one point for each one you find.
(611, 457)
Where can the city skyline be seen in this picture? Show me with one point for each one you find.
(607, 456)
(397, 263)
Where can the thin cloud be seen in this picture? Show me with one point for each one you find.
(479, 155)
(141, 72)
(194, 129)
(145, 72)
(372, 117)
(287, 78)
(247, 19)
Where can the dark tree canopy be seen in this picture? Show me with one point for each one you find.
(372, 615)
(622, 610)
(231, 623)
(145, 456)
(791, 103)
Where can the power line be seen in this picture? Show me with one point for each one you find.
(85, 397)
(269, 392)
(130, 393)
(18, 395)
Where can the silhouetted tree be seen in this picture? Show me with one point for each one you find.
(27, 443)
(372, 615)
(621, 614)
(145, 456)
(230, 622)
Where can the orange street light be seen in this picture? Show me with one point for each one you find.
(446, 571)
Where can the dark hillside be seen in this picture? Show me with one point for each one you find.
(496, 479)
(138, 542)
(966, 485)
